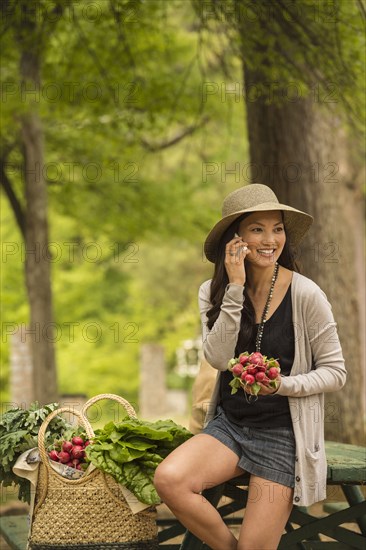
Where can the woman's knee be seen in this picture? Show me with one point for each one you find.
(167, 479)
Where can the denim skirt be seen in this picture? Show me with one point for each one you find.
(265, 452)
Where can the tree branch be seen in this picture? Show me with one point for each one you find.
(310, 69)
(92, 53)
(327, 47)
(153, 147)
(13, 199)
(362, 8)
(121, 33)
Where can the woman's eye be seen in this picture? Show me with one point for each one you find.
(260, 229)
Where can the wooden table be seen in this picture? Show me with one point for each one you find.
(346, 469)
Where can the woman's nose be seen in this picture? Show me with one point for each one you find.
(269, 239)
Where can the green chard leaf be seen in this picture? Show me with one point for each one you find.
(131, 450)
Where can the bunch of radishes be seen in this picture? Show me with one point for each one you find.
(250, 368)
(71, 453)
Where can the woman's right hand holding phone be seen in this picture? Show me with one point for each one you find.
(235, 253)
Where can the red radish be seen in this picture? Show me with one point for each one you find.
(67, 446)
(272, 373)
(257, 358)
(260, 376)
(64, 457)
(256, 368)
(54, 456)
(77, 440)
(261, 368)
(251, 369)
(237, 369)
(249, 379)
(77, 452)
(265, 381)
(70, 454)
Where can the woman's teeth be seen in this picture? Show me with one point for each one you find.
(266, 252)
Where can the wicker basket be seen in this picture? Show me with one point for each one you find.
(90, 512)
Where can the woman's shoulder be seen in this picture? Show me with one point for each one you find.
(205, 288)
(306, 286)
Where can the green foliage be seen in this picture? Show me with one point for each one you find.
(301, 49)
(19, 433)
(144, 212)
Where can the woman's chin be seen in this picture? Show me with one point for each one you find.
(262, 261)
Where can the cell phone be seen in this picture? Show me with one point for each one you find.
(236, 235)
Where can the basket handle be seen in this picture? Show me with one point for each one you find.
(42, 431)
(127, 406)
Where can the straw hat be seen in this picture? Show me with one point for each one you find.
(255, 198)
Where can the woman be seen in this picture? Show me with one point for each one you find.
(257, 301)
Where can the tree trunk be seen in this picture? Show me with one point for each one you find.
(37, 262)
(301, 151)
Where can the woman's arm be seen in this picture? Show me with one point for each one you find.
(219, 342)
(321, 329)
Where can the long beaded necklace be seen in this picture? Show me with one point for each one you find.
(261, 325)
(266, 308)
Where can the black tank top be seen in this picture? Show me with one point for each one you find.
(277, 341)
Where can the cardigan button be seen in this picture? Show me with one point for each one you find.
(297, 478)
(297, 458)
(297, 499)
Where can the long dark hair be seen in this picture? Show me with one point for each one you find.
(220, 280)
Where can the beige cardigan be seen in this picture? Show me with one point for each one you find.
(315, 337)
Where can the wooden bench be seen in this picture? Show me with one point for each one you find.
(14, 530)
(346, 469)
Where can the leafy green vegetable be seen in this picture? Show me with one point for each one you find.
(18, 433)
(235, 385)
(131, 450)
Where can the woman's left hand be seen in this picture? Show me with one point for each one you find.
(265, 390)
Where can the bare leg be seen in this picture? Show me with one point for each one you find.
(268, 509)
(199, 463)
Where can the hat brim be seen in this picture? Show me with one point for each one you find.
(297, 223)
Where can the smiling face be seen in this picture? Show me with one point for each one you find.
(265, 234)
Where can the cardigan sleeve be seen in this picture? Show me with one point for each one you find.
(329, 374)
(219, 342)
